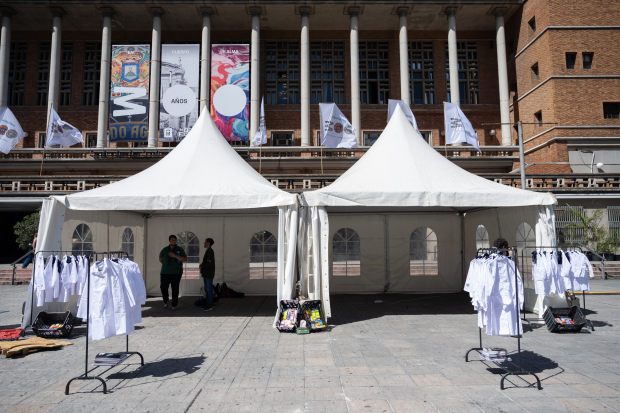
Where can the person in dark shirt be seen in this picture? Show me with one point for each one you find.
(171, 258)
(207, 270)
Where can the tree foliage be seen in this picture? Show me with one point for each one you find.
(588, 230)
(26, 228)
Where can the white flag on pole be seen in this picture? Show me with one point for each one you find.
(406, 110)
(260, 137)
(458, 127)
(336, 130)
(11, 131)
(60, 132)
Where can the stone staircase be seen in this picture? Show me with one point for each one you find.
(22, 276)
(612, 270)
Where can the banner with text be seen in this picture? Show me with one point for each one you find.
(178, 109)
(230, 90)
(129, 93)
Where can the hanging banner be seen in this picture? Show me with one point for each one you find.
(10, 130)
(458, 127)
(337, 131)
(230, 89)
(129, 93)
(178, 109)
(392, 103)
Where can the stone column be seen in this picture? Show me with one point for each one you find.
(53, 87)
(404, 55)
(104, 83)
(5, 51)
(205, 61)
(305, 76)
(453, 57)
(155, 79)
(255, 73)
(502, 72)
(355, 76)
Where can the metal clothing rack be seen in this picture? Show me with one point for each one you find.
(572, 248)
(90, 254)
(520, 372)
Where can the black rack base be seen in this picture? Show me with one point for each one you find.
(470, 350)
(519, 373)
(105, 387)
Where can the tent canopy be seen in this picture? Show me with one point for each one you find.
(202, 172)
(402, 170)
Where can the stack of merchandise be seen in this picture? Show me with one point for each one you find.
(109, 359)
(314, 316)
(288, 318)
(564, 320)
(498, 355)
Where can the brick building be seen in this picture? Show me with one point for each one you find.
(546, 63)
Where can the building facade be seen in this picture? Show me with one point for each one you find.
(546, 63)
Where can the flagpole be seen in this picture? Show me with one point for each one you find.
(445, 125)
(260, 157)
(49, 112)
(321, 158)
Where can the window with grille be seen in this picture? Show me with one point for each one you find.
(571, 58)
(92, 73)
(282, 73)
(421, 73)
(370, 137)
(190, 244)
(423, 252)
(587, 60)
(428, 136)
(82, 239)
(282, 138)
(17, 73)
(263, 256)
(43, 72)
(90, 140)
(566, 224)
(66, 68)
(127, 242)
(469, 79)
(613, 217)
(611, 110)
(346, 253)
(327, 72)
(482, 237)
(374, 72)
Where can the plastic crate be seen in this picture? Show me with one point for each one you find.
(574, 313)
(41, 324)
(309, 306)
(284, 306)
(11, 335)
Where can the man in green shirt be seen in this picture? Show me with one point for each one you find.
(171, 258)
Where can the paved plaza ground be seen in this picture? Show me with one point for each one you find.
(402, 356)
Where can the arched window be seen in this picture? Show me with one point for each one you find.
(423, 252)
(482, 237)
(526, 237)
(346, 252)
(190, 244)
(82, 239)
(127, 242)
(263, 256)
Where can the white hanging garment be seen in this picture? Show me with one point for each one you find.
(39, 280)
(581, 269)
(567, 272)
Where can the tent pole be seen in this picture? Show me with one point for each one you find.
(462, 214)
(321, 159)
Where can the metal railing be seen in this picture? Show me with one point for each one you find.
(14, 263)
(42, 185)
(243, 151)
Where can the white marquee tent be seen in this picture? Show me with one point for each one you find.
(203, 188)
(399, 193)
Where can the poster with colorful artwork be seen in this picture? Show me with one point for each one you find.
(129, 93)
(230, 90)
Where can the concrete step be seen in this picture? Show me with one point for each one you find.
(22, 276)
(612, 270)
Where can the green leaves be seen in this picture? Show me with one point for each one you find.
(26, 228)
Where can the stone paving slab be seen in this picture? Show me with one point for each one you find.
(396, 356)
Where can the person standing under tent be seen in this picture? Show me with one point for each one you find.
(30, 257)
(207, 270)
(171, 258)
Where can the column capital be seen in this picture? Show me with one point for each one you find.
(255, 11)
(354, 10)
(402, 11)
(207, 11)
(499, 11)
(58, 11)
(7, 11)
(451, 11)
(305, 10)
(156, 11)
(107, 11)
